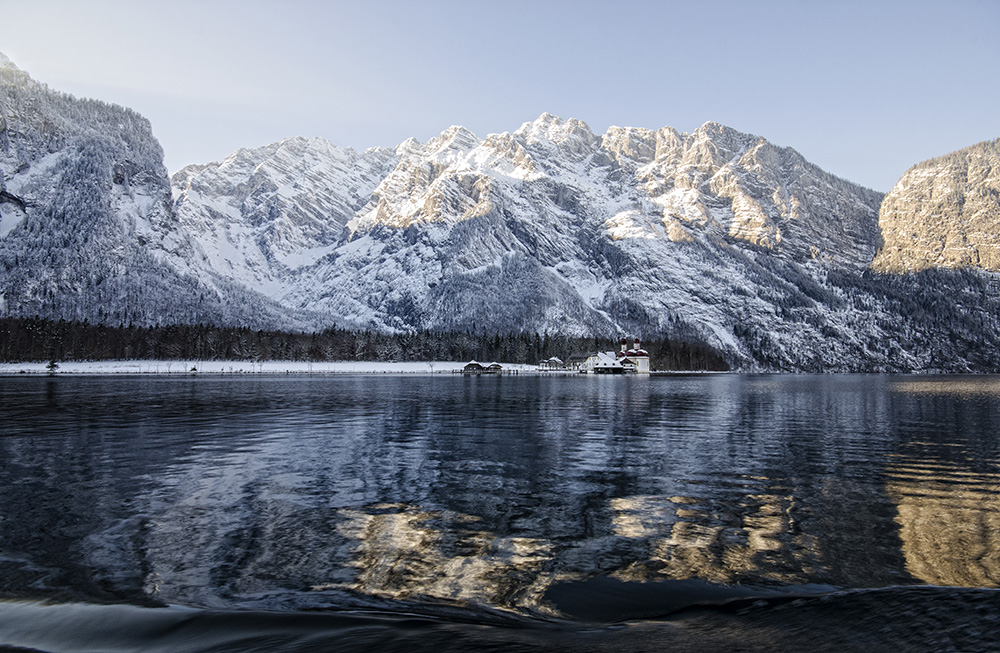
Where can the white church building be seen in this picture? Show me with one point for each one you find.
(629, 360)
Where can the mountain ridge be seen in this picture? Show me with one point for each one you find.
(714, 236)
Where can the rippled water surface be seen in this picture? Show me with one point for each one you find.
(479, 499)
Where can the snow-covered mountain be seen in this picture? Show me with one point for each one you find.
(711, 235)
(545, 228)
(87, 228)
(263, 214)
(716, 236)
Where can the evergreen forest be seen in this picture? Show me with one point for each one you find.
(38, 339)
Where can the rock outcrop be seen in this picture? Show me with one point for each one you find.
(944, 213)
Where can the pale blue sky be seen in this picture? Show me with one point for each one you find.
(863, 89)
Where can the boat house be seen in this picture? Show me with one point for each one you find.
(475, 367)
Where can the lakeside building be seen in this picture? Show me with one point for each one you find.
(551, 365)
(475, 367)
(604, 362)
(636, 356)
(628, 360)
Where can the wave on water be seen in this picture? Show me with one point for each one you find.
(600, 615)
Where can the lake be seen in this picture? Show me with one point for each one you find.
(443, 512)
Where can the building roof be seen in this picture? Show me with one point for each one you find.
(632, 353)
(606, 359)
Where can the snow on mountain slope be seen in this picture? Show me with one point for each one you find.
(553, 227)
(85, 214)
(262, 214)
(715, 236)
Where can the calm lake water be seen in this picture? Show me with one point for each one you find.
(446, 512)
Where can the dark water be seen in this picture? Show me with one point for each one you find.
(512, 513)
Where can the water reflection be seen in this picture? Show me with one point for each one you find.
(949, 518)
(309, 492)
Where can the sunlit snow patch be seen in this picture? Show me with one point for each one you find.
(630, 224)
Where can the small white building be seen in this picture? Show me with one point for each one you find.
(629, 360)
(551, 365)
(603, 362)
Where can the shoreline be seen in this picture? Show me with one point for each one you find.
(181, 368)
(178, 368)
(219, 368)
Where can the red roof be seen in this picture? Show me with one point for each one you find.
(633, 352)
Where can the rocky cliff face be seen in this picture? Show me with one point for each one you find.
(744, 188)
(944, 213)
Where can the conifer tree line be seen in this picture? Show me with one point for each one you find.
(38, 339)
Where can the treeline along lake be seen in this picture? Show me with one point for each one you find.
(37, 339)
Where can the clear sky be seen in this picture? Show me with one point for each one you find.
(864, 88)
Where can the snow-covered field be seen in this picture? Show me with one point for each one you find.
(245, 367)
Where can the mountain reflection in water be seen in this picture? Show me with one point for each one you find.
(425, 494)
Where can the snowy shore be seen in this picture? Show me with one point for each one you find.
(244, 367)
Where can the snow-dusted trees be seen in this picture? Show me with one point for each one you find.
(38, 339)
(84, 177)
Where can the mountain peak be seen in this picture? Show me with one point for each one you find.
(6, 63)
(718, 132)
(409, 146)
(721, 143)
(455, 137)
(552, 128)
